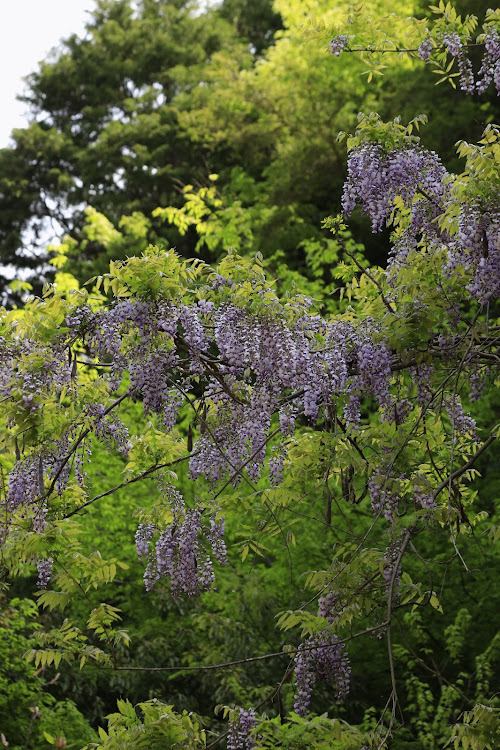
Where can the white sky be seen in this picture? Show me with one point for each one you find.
(28, 31)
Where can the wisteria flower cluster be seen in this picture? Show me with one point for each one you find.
(490, 64)
(108, 429)
(476, 246)
(383, 498)
(44, 567)
(339, 43)
(417, 177)
(461, 423)
(330, 606)
(240, 737)
(24, 483)
(425, 48)
(320, 657)
(42, 366)
(375, 178)
(179, 553)
(451, 42)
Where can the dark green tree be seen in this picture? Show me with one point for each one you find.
(104, 129)
(158, 95)
(255, 20)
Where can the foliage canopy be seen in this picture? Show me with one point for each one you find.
(314, 455)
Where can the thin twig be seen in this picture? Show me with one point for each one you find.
(144, 474)
(470, 463)
(400, 50)
(390, 594)
(237, 662)
(78, 441)
(369, 275)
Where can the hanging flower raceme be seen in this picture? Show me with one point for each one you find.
(179, 553)
(376, 177)
(239, 737)
(320, 657)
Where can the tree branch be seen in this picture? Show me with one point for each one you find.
(77, 442)
(470, 463)
(144, 474)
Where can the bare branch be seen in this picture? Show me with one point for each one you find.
(144, 474)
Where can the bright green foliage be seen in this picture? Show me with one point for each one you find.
(479, 730)
(160, 98)
(318, 733)
(29, 713)
(157, 728)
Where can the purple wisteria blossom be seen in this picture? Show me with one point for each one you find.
(374, 364)
(239, 737)
(384, 500)
(44, 567)
(453, 44)
(490, 66)
(320, 657)
(143, 537)
(108, 428)
(425, 48)
(24, 483)
(375, 178)
(339, 43)
(179, 553)
(276, 465)
(462, 423)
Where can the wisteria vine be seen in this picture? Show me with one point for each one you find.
(235, 372)
(453, 39)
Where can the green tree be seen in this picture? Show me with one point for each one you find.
(104, 128)
(255, 21)
(30, 716)
(160, 97)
